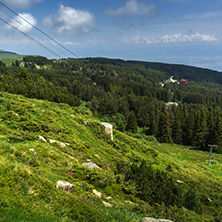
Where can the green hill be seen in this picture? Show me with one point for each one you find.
(137, 177)
(9, 57)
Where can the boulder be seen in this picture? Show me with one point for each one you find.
(33, 151)
(61, 144)
(97, 193)
(108, 129)
(150, 219)
(90, 165)
(43, 139)
(64, 185)
(107, 204)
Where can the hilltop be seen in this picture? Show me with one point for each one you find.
(8, 56)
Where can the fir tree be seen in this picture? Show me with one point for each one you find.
(164, 132)
(132, 123)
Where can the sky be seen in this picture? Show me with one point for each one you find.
(171, 31)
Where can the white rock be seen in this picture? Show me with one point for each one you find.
(150, 219)
(108, 197)
(97, 156)
(74, 158)
(32, 150)
(64, 185)
(130, 202)
(90, 165)
(97, 193)
(107, 204)
(63, 145)
(179, 181)
(43, 139)
(108, 129)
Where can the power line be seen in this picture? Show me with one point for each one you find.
(39, 30)
(32, 31)
(39, 43)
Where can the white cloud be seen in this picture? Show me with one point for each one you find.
(175, 38)
(21, 24)
(132, 8)
(69, 19)
(20, 3)
(187, 38)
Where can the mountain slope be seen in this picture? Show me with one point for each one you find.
(31, 167)
(6, 55)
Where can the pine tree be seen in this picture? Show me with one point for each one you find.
(164, 132)
(132, 123)
(200, 131)
(177, 129)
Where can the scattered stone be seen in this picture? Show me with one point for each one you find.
(97, 193)
(72, 115)
(108, 129)
(33, 151)
(43, 139)
(90, 165)
(97, 156)
(85, 123)
(64, 185)
(171, 103)
(74, 158)
(130, 202)
(108, 197)
(179, 181)
(149, 219)
(107, 204)
(88, 160)
(209, 199)
(61, 144)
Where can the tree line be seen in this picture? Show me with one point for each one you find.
(129, 95)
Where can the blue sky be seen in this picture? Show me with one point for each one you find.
(171, 31)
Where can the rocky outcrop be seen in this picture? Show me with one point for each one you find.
(90, 165)
(61, 144)
(43, 139)
(64, 185)
(108, 129)
(97, 193)
(150, 219)
(107, 204)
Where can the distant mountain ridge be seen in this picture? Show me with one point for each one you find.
(7, 52)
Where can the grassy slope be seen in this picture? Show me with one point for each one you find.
(8, 57)
(28, 181)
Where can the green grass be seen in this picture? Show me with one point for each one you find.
(28, 185)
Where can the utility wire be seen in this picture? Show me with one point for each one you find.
(39, 30)
(34, 40)
(33, 32)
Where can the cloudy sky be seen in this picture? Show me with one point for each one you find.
(170, 31)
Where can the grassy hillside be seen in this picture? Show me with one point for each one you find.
(30, 168)
(9, 57)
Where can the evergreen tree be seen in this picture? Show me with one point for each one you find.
(200, 131)
(132, 123)
(164, 131)
(177, 129)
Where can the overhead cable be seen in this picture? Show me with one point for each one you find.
(38, 29)
(34, 40)
(33, 32)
